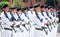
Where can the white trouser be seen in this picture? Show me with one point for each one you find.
(46, 35)
(0, 33)
(32, 29)
(31, 32)
(52, 31)
(6, 33)
(38, 33)
(49, 32)
(56, 27)
(18, 33)
(21, 34)
(25, 32)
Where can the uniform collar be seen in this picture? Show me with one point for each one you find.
(39, 13)
(13, 13)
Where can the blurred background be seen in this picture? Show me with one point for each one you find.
(26, 3)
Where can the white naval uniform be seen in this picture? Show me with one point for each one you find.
(23, 17)
(30, 17)
(51, 16)
(57, 19)
(7, 24)
(45, 15)
(18, 33)
(49, 32)
(54, 14)
(0, 25)
(42, 17)
(44, 21)
(53, 29)
(0, 31)
(56, 24)
(31, 14)
(38, 33)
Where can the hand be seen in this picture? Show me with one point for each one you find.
(0, 23)
(14, 24)
(49, 21)
(20, 23)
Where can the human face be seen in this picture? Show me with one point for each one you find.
(19, 12)
(38, 9)
(14, 11)
(25, 11)
(31, 9)
(6, 9)
(44, 9)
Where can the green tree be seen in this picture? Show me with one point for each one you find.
(2, 3)
(18, 3)
(5, 0)
(58, 0)
(51, 2)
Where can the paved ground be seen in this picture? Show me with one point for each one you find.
(58, 34)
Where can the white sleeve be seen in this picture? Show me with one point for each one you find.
(37, 21)
(30, 16)
(25, 18)
(46, 16)
(6, 21)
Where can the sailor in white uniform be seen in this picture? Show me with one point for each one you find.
(44, 19)
(44, 9)
(25, 20)
(49, 15)
(52, 21)
(7, 31)
(30, 17)
(39, 31)
(31, 12)
(22, 15)
(0, 24)
(53, 13)
(18, 27)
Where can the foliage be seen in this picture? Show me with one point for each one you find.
(18, 3)
(5, 0)
(2, 3)
(51, 2)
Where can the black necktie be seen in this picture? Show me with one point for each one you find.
(48, 15)
(0, 18)
(26, 15)
(31, 13)
(6, 15)
(42, 13)
(38, 17)
(18, 16)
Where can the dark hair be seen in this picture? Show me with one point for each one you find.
(18, 9)
(49, 7)
(4, 6)
(12, 8)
